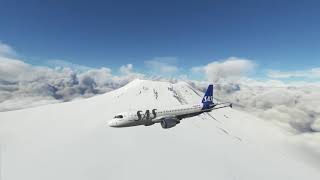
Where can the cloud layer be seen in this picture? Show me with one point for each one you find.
(294, 108)
(313, 73)
(23, 85)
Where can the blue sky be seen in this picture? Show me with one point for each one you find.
(281, 35)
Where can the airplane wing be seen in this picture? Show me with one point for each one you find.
(179, 117)
(160, 118)
(217, 106)
(222, 105)
(187, 115)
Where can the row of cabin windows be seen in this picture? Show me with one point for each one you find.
(120, 116)
(177, 110)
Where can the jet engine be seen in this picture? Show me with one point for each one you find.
(169, 122)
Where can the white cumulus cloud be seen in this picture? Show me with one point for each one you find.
(162, 65)
(6, 50)
(232, 67)
(23, 85)
(126, 69)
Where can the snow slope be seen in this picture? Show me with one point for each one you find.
(72, 141)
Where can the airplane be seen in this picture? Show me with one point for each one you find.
(168, 117)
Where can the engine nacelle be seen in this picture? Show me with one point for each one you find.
(169, 122)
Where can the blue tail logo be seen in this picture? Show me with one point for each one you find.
(207, 99)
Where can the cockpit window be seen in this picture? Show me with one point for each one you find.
(118, 116)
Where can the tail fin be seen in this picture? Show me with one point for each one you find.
(207, 99)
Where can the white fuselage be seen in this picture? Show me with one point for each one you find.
(155, 115)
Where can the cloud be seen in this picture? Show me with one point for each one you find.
(10, 69)
(232, 67)
(126, 69)
(6, 50)
(60, 64)
(310, 73)
(23, 85)
(162, 65)
(128, 74)
(295, 109)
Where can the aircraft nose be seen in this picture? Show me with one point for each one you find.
(112, 123)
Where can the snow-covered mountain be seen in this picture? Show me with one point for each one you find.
(72, 141)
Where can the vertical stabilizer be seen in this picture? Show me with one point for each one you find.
(207, 99)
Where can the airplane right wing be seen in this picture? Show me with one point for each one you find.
(222, 105)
